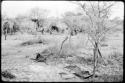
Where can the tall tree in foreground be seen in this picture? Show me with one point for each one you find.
(98, 25)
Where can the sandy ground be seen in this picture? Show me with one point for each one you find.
(16, 58)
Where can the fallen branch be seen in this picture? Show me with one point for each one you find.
(83, 77)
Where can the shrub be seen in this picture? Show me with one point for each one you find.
(7, 74)
(66, 52)
(112, 59)
(34, 41)
(116, 56)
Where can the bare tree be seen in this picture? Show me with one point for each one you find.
(71, 21)
(98, 25)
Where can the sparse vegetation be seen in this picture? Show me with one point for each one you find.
(7, 74)
(31, 42)
(76, 47)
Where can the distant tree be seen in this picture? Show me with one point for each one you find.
(38, 16)
(5, 29)
(18, 21)
(8, 26)
(16, 26)
(3, 19)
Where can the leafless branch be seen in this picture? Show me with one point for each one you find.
(106, 31)
(98, 10)
(92, 8)
(107, 7)
(83, 7)
(90, 40)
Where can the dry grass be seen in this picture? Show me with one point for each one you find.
(111, 71)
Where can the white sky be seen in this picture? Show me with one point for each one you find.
(56, 8)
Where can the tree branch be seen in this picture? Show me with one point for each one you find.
(98, 10)
(83, 7)
(105, 31)
(92, 8)
(107, 7)
(90, 41)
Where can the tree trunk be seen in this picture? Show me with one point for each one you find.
(70, 40)
(62, 44)
(42, 31)
(5, 37)
(37, 26)
(95, 50)
(5, 33)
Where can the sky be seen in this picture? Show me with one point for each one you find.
(56, 8)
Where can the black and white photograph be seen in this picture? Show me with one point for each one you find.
(62, 41)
